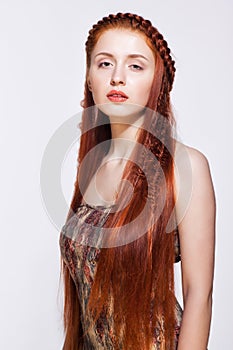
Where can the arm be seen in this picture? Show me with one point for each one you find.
(197, 243)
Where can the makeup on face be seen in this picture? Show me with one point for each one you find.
(121, 72)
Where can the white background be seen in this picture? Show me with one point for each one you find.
(42, 78)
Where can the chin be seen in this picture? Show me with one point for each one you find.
(121, 110)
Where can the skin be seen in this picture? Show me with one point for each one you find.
(197, 243)
(195, 218)
(112, 67)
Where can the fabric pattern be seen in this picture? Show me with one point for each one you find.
(81, 260)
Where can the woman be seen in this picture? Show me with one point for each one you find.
(142, 201)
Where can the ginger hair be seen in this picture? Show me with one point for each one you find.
(140, 271)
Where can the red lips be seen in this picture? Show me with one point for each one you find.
(117, 96)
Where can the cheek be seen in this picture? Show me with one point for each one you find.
(95, 87)
(98, 82)
(149, 84)
(97, 92)
(144, 91)
(95, 96)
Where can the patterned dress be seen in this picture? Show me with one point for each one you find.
(81, 260)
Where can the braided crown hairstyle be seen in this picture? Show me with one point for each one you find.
(145, 26)
(148, 259)
(153, 38)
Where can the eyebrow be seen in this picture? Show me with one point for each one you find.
(134, 55)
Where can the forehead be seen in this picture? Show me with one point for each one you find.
(123, 41)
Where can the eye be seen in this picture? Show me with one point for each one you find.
(104, 64)
(136, 67)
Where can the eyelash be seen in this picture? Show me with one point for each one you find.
(136, 65)
(103, 65)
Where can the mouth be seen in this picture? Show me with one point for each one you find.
(117, 96)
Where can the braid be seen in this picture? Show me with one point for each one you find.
(137, 22)
(157, 139)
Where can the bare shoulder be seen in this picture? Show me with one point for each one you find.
(186, 153)
(192, 177)
(195, 214)
(190, 161)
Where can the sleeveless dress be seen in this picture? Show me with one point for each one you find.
(81, 260)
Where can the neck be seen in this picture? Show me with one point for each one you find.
(123, 136)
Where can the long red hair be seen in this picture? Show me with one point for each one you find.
(140, 270)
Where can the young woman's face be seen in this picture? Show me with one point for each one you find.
(121, 72)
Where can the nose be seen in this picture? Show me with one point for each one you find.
(117, 77)
(115, 82)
